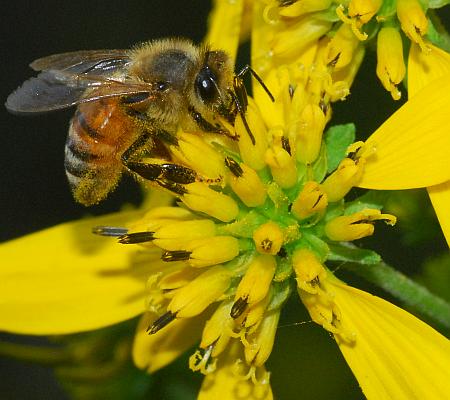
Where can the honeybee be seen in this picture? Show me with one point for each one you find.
(133, 101)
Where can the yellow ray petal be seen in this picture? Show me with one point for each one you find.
(225, 384)
(224, 26)
(440, 198)
(425, 67)
(152, 352)
(412, 146)
(65, 279)
(395, 355)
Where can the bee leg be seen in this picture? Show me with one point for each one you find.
(205, 126)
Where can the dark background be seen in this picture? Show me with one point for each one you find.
(34, 193)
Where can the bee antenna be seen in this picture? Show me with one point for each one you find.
(239, 88)
(246, 69)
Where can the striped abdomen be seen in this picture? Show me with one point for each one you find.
(99, 133)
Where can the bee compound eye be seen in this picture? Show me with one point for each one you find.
(205, 85)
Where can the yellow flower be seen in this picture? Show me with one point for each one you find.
(220, 264)
(424, 68)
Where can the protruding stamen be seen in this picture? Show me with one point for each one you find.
(136, 237)
(161, 322)
(113, 231)
(234, 167)
(239, 307)
(176, 255)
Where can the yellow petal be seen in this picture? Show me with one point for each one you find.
(225, 384)
(65, 279)
(412, 146)
(152, 352)
(440, 197)
(394, 355)
(224, 26)
(425, 67)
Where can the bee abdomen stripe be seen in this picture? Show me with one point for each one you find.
(80, 154)
(91, 132)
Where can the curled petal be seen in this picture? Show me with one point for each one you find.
(66, 280)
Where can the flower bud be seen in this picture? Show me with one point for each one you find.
(261, 342)
(309, 133)
(282, 166)
(308, 270)
(200, 197)
(302, 7)
(193, 298)
(246, 183)
(357, 225)
(341, 48)
(413, 20)
(390, 64)
(174, 236)
(211, 251)
(268, 238)
(255, 284)
(339, 183)
(311, 200)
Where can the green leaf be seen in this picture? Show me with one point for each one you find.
(337, 140)
(437, 3)
(375, 199)
(349, 253)
(320, 165)
(437, 33)
(403, 288)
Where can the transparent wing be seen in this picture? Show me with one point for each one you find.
(85, 61)
(72, 78)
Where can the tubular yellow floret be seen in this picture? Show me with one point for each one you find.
(261, 342)
(311, 200)
(303, 7)
(357, 225)
(390, 64)
(282, 166)
(217, 329)
(290, 42)
(255, 284)
(211, 251)
(341, 48)
(204, 290)
(252, 154)
(218, 205)
(196, 153)
(346, 176)
(174, 236)
(413, 21)
(308, 270)
(268, 238)
(248, 187)
(364, 10)
(309, 133)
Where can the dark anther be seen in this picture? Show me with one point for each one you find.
(289, 207)
(291, 91)
(176, 255)
(286, 3)
(282, 253)
(161, 322)
(266, 244)
(285, 144)
(323, 106)
(113, 231)
(136, 237)
(234, 167)
(334, 61)
(317, 201)
(315, 281)
(238, 307)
